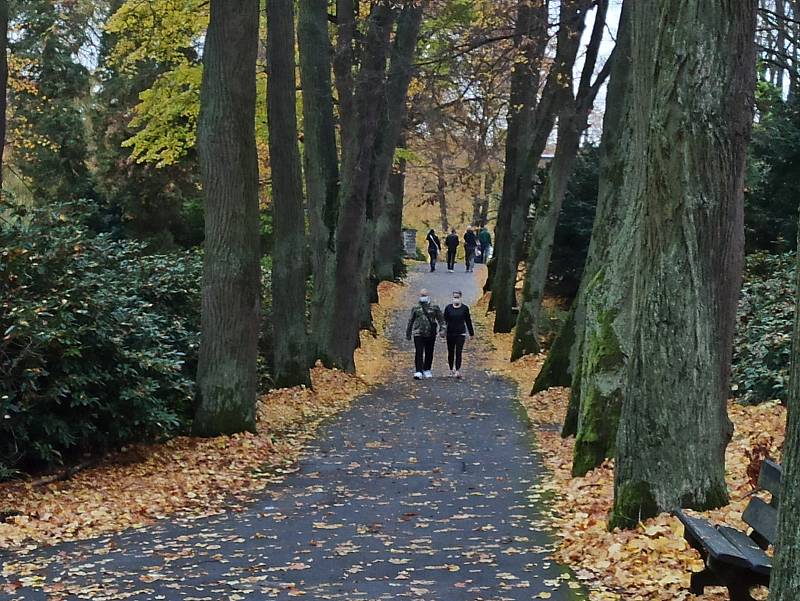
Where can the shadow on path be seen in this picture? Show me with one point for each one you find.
(422, 490)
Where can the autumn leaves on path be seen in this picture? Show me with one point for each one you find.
(423, 490)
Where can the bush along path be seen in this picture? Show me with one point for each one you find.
(422, 490)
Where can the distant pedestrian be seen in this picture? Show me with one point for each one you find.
(470, 244)
(451, 242)
(485, 244)
(434, 246)
(458, 324)
(425, 323)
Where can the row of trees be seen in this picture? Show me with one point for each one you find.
(647, 346)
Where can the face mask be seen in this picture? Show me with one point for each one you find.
(456, 302)
(424, 299)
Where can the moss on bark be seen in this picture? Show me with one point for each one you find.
(633, 503)
(555, 370)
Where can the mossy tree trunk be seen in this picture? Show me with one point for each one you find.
(573, 119)
(226, 373)
(3, 80)
(693, 80)
(289, 348)
(785, 579)
(321, 163)
(388, 260)
(517, 193)
(600, 316)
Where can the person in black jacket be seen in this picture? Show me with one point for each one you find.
(434, 246)
(470, 244)
(458, 324)
(451, 242)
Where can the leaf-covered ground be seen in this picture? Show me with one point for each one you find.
(192, 476)
(420, 490)
(653, 562)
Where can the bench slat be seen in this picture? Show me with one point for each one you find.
(759, 561)
(769, 479)
(763, 518)
(714, 543)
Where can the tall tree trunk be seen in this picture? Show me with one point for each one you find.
(572, 122)
(441, 188)
(226, 373)
(601, 316)
(290, 358)
(509, 253)
(3, 82)
(785, 579)
(389, 225)
(688, 178)
(530, 40)
(321, 163)
(384, 212)
(352, 236)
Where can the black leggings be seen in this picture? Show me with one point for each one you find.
(455, 346)
(423, 357)
(434, 255)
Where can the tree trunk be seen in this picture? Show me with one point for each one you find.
(601, 317)
(441, 187)
(688, 178)
(3, 82)
(384, 211)
(321, 162)
(388, 227)
(290, 359)
(572, 122)
(352, 235)
(556, 90)
(530, 39)
(785, 579)
(540, 247)
(226, 373)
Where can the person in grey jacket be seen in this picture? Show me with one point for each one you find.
(425, 323)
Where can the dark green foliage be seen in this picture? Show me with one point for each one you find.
(773, 187)
(763, 346)
(574, 230)
(99, 338)
(47, 128)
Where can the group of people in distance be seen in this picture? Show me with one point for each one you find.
(476, 247)
(428, 321)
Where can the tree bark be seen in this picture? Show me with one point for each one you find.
(388, 227)
(691, 111)
(441, 189)
(509, 253)
(352, 236)
(785, 579)
(530, 40)
(601, 316)
(321, 163)
(572, 122)
(290, 358)
(226, 373)
(3, 82)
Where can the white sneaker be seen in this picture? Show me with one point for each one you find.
(427, 374)
(417, 375)
(453, 372)
(458, 374)
(450, 270)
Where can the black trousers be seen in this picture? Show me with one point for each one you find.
(469, 259)
(423, 356)
(451, 258)
(455, 346)
(434, 255)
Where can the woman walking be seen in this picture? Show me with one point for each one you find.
(434, 246)
(425, 323)
(451, 242)
(458, 324)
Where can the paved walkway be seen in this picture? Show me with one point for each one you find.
(422, 490)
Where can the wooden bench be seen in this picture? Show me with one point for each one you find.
(733, 558)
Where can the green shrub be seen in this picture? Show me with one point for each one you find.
(98, 338)
(763, 344)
